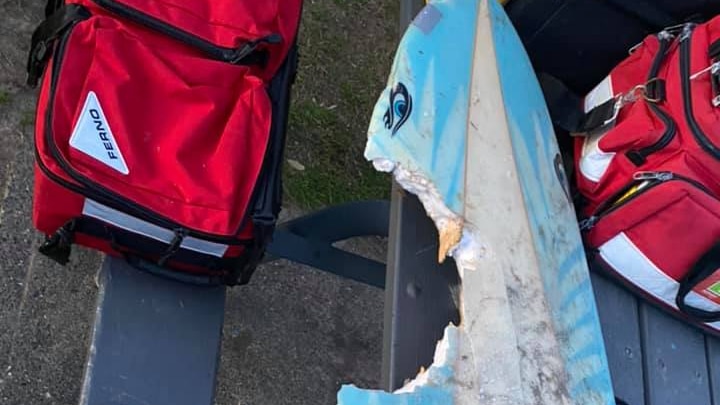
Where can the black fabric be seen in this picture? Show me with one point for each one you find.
(599, 116)
(565, 107)
(267, 195)
(655, 90)
(183, 277)
(704, 268)
(714, 50)
(562, 103)
(127, 241)
(59, 245)
(715, 81)
(52, 6)
(580, 41)
(635, 157)
(644, 10)
(41, 43)
(142, 252)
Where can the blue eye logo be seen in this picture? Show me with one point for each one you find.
(399, 110)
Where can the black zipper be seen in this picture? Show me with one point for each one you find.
(714, 49)
(654, 178)
(239, 55)
(92, 189)
(700, 136)
(639, 156)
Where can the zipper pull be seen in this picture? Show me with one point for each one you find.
(660, 176)
(249, 47)
(715, 83)
(665, 34)
(174, 246)
(713, 68)
(686, 31)
(588, 223)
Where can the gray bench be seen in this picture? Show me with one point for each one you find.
(157, 341)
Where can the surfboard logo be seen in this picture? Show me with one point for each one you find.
(399, 109)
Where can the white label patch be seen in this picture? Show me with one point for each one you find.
(92, 135)
(599, 95)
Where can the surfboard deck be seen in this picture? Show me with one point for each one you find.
(463, 124)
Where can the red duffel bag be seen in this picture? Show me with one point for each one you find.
(648, 169)
(159, 130)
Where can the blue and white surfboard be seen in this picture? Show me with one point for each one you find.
(463, 124)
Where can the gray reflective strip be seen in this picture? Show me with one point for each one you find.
(122, 220)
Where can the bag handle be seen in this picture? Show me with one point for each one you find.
(706, 266)
(565, 106)
(50, 29)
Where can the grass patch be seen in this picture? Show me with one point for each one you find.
(5, 97)
(27, 119)
(317, 186)
(346, 52)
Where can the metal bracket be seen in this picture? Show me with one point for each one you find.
(309, 240)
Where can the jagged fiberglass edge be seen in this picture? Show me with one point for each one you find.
(458, 240)
(435, 385)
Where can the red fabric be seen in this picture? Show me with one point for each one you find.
(637, 126)
(634, 119)
(194, 144)
(674, 222)
(193, 131)
(225, 23)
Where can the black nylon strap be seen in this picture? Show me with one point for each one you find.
(715, 84)
(655, 90)
(565, 107)
(563, 104)
(59, 245)
(52, 6)
(704, 268)
(45, 33)
(138, 251)
(599, 116)
(714, 50)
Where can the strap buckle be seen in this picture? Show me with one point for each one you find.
(174, 247)
(40, 48)
(58, 246)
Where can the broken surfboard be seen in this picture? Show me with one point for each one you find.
(463, 125)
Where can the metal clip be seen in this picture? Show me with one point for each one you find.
(635, 48)
(588, 223)
(665, 34)
(674, 28)
(661, 176)
(686, 31)
(622, 99)
(645, 92)
(619, 102)
(713, 68)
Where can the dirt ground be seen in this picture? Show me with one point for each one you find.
(294, 334)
